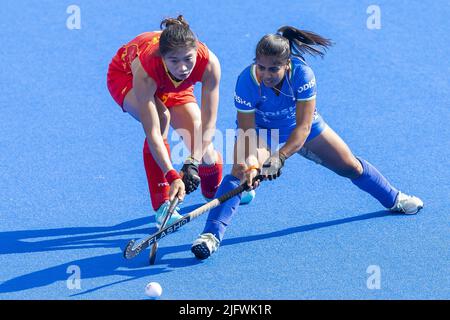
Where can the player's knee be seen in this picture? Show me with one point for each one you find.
(130, 105)
(351, 170)
(164, 119)
(196, 124)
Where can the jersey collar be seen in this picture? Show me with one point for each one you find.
(175, 83)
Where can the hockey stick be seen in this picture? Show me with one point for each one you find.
(133, 250)
(172, 207)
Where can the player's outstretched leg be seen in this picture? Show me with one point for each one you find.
(373, 182)
(329, 150)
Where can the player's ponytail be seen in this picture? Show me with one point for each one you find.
(176, 35)
(301, 42)
(291, 41)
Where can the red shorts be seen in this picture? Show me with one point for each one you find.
(120, 82)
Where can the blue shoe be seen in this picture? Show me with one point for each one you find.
(247, 196)
(162, 212)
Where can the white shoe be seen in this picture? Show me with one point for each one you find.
(407, 204)
(205, 245)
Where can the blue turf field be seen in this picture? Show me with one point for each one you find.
(73, 189)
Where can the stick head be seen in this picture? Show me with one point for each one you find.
(129, 253)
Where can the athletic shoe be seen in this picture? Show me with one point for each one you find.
(162, 212)
(205, 245)
(247, 196)
(407, 204)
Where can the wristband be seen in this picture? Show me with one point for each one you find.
(282, 157)
(172, 175)
(251, 168)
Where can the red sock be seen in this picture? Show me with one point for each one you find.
(157, 183)
(211, 176)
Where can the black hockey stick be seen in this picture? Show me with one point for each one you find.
(133, 250)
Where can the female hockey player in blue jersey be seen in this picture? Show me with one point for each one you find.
(276, 100)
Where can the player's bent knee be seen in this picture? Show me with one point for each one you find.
(351, 171)
(131, 105)
(164, 119)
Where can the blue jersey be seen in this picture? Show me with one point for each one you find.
(276, 111)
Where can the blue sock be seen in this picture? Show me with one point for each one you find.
(374, 183)
(220, 217)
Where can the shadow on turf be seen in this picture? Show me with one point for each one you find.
(30, 241)
(115, 264)
(26, 241)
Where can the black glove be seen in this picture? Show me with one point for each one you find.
(189, 174)
(271, 169)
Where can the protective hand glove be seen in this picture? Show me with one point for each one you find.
(189, 174)
(271, 169)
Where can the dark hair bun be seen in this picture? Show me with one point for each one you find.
(173, 22)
